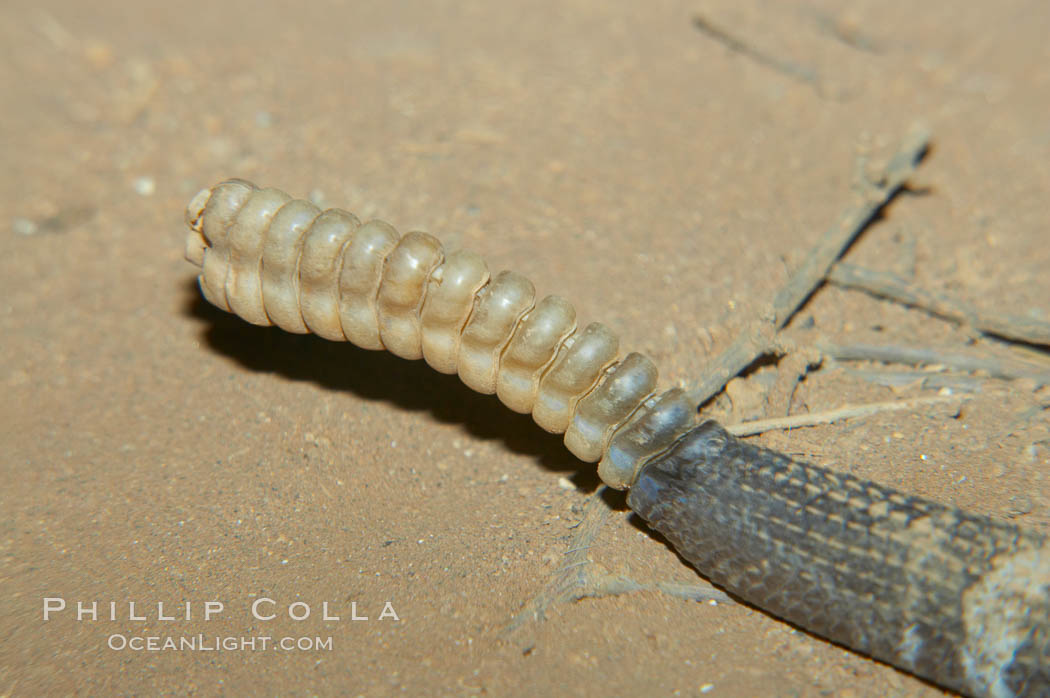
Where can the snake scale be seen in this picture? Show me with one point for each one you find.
(958, 599)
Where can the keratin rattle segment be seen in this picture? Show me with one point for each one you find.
(274, 260)
(959, 599)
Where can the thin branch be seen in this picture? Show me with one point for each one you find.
(925, 379)
(1010, 369)
(847, 412)
(691, 592)
(579, 577)
(893, 287)
(837, 239)
(737, 45)
(759, 336)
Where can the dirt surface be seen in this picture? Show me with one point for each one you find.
(157, 450)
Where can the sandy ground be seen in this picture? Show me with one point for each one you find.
(158, 450)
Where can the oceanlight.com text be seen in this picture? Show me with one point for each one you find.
(217, 643)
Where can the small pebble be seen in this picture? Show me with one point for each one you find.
(565, 483)
(24, 226)
(144, 186)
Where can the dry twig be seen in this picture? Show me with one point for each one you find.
(893, 287)
(759, 337)
(737, 45)
(579, 577)
(847, 412)
(1010, 369)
